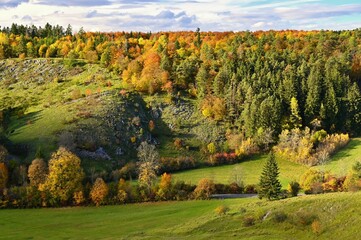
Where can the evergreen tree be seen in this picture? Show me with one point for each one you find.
(270, 186)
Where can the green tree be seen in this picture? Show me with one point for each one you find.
(65, 175)
(270, 186)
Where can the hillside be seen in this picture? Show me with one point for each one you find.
(335, 214)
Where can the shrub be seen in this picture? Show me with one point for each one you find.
(183, 191)
(279, 217)
(248, 221)
(211, 148)
(204, 189)
(4, 175)
(99, 191)
(303, 218)
(128, 171)
(250, 189)
(309, 178)
(178, 143)
(221, 210)
(293, 188)
(37, 172)
(79, 198)
(222, 158)
(316, 227)
(248, 147)
(165, 187)
(169, 164)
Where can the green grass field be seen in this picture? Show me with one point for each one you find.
(250, 170)
(337, 214)
(343, 160)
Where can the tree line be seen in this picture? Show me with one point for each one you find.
(251, 80)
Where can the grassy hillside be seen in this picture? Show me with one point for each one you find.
(343, 160)
(336, 215)
(248, 171)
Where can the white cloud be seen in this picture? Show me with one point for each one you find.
(158, 15)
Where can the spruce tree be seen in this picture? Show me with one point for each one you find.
(270, 186)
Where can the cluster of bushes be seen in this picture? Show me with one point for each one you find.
(223, 158)
(62, 182)
(171, 164)
(101, 193)
(310, 148)
(314, 181)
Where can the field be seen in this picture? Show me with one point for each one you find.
(335, 213)
(250, 170)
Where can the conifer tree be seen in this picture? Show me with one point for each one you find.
(270, 186)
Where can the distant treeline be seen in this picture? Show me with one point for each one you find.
(254, 81)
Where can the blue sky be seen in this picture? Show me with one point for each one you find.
(164, 15)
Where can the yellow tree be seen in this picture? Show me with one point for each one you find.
(37, 172)
(65, 175)
(165, 187)
(4, 174)
(99, 191)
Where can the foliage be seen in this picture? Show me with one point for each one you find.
(204, 189)
(165, 187)
(293, 188)
(3, 153)
(4, 175)
(99, 191)
(310, 179)
(148, 164)
(269, 185)
(37, 172)
(221, 210)
(169, 164)
(306, 147)
(247, 147)
(65, 175)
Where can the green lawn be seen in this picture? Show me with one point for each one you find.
(249, 171)
(337, 214)
(343, 160)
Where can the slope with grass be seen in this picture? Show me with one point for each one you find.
(342, 162)
(335, 214)
(248, 171)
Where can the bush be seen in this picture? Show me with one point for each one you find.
(303, 218)
(309, 178)
(222, 158)
(170, 164)
(204, 189)
(293, 188)
(279, 217)
(221, 210)
(99, 191)
(316, 227)
(248, 221)
(178, 143)
(250, 189)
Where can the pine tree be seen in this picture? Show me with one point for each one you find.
(270, 186)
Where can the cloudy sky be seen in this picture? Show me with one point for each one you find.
(165, 15)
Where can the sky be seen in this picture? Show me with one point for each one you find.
(165, 15)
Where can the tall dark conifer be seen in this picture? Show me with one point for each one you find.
(270, 186)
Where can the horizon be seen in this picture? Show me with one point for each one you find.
(167, 16)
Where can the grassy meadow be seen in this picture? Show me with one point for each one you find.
(335, 214)
(250, 170)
